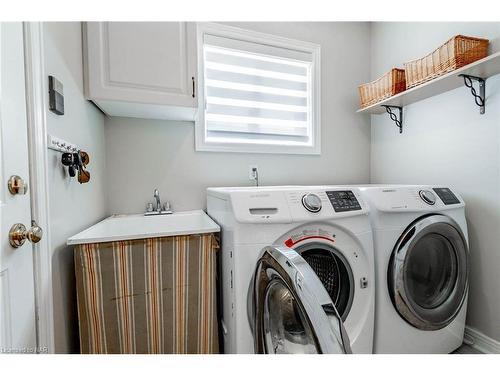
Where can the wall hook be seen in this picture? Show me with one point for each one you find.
(394, 116)
(481, 98)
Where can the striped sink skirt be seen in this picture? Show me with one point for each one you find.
(148, 296)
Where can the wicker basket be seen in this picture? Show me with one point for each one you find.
(455, 53)
(389, 84)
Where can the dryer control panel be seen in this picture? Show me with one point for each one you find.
(446, 196)
(343, 200)
(411, 198)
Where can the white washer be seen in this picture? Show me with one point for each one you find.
(323, 231)
(421, 266)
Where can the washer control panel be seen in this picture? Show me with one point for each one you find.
(446, 196)
(343, 200)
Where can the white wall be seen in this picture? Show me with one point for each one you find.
(445, 141)
(73, 207)
(142, 154)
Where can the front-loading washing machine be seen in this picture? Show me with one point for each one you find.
(421, 267)
(297, 271)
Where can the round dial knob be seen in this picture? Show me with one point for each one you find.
(311, 202)
(427, 196)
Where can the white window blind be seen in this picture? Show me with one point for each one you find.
(256, 93)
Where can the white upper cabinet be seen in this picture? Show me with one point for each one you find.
(142, 69)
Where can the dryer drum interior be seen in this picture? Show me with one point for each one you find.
(428, 272)
(334, 271)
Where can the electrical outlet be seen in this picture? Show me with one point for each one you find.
(253, 171)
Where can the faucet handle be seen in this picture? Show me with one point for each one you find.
(167, 206)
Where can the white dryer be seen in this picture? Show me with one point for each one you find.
(421, 266)
(296, 267)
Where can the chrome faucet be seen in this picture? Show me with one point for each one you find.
(156, 194)
(158, 210)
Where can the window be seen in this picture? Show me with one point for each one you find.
(257, 92)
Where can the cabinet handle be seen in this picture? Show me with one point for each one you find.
(192, 79)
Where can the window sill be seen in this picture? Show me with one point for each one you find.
(259, 148)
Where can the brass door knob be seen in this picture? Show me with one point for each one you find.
(18, 234)
(17, 185)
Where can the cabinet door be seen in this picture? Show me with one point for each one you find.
(141, 62)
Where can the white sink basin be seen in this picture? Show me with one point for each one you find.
(129, 227)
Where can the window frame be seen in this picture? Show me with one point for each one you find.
(267, 39)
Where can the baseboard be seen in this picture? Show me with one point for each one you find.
(481, 342)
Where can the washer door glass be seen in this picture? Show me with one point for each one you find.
(291, 312)
(428, 272)
(285, 326)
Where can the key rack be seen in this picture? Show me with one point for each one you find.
(72, 157)
(466, 76)
(60, 145)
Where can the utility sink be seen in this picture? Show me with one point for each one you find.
(129, 227)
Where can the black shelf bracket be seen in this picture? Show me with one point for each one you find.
(394, 117)
(481, 98)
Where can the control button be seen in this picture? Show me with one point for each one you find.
(311, 202)
(427, 196)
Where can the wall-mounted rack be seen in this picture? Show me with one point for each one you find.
(477, 71)
(74, 158)
(60, 145)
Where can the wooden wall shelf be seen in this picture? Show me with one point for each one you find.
(484, 68)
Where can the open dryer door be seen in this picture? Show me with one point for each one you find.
(291, 310)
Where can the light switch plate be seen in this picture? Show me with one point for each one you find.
(56, 96)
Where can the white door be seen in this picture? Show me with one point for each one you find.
(17, 298)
